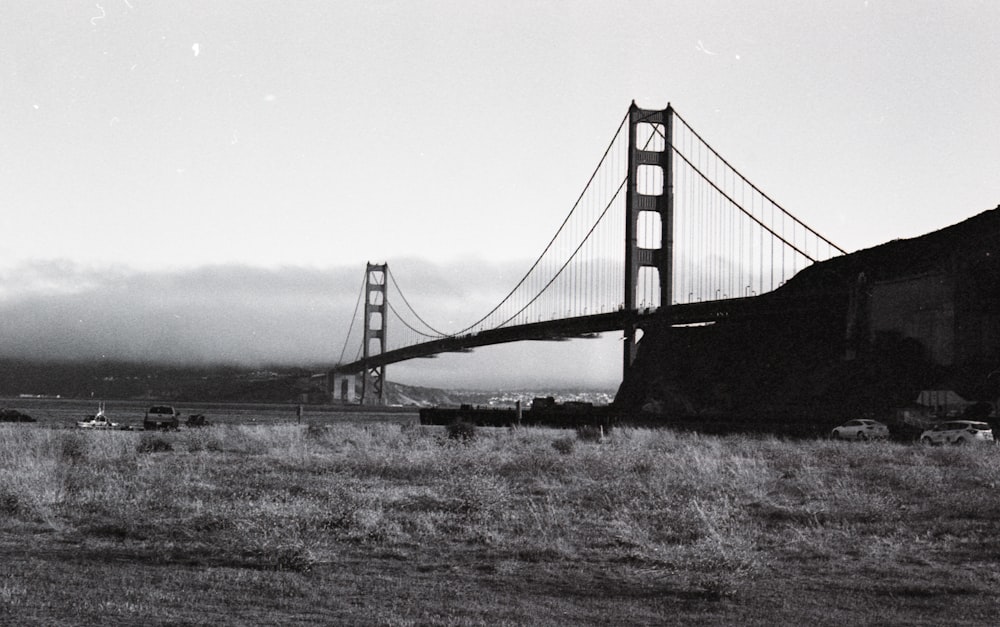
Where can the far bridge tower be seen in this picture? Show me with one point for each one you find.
(376, 308)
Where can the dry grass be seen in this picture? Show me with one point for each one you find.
(391, 524)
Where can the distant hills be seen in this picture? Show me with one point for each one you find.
(123, 380)
(275, 384)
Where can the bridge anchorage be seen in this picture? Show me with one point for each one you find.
(665, 228)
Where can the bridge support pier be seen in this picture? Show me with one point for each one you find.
(650, 190)
(342, 388)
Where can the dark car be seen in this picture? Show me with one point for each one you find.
(161, 417)
(13, 415)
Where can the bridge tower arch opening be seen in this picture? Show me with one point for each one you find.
(375, 318)
(649, 213)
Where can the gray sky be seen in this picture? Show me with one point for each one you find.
(231, 166)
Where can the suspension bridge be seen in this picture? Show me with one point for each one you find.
(664, 229)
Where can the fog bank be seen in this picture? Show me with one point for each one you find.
(56, 310)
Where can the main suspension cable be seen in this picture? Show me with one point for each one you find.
(747, 213)
(570, 258)
(554, 237)
(413, 311)
(353, 317)
(410, 327)
(755, 188)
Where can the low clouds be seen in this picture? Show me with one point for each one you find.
(223, 314)
(250, 316)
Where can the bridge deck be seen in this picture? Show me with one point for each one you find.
(582, 326)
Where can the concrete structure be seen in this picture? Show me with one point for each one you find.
(342, 388)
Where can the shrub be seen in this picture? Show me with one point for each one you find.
(10, 504)
(315, 431)
(74, 449)
(461, 430)
(564, 445)
(154, 444)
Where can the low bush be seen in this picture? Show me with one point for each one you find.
(74, 448)
(463, 431)
(153, 444)
(10, 504)
(564, 445)
(316, 431)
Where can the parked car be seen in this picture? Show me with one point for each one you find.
(861, 429)
(958, 432)
(161, 417)
(13, 415)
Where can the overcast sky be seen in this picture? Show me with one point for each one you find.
(206, 180)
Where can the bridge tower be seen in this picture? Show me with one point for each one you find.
(376, 308)
(649, 201)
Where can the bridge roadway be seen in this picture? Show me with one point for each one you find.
(773, 303)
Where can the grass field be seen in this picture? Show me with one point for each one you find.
(386, 523)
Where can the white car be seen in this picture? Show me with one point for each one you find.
(958, 432)
(861, 429)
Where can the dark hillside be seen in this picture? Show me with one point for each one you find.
(107, 379)
(861, 334)
(973, 242)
